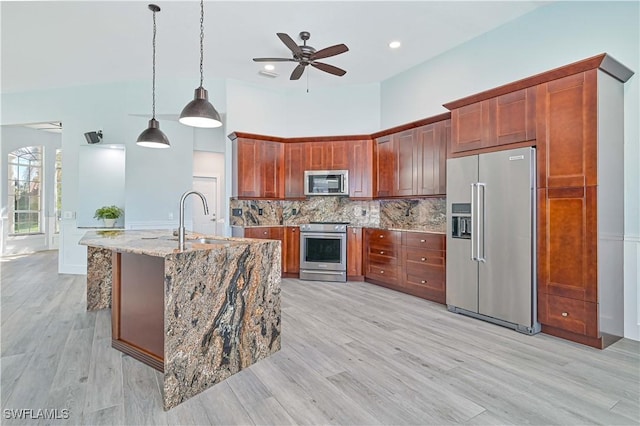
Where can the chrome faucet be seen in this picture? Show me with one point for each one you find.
(181, 227)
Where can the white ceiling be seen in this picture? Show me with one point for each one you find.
(56, 44)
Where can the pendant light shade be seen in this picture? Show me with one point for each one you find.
(153, 137)
(199, 112)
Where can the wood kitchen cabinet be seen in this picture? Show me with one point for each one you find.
(326, 155)
(404, 147)
(291, 251)
(423, 265)
(383, 166)
(410, 262)
(259, 172)
(431, 151)
(294, 163)
(500, 120)
(360, 153)
(354, 253)
(382, 254)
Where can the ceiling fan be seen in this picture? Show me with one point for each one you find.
(306, 55)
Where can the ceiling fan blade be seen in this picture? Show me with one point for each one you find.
(330, 51)
(297, 72)
(273, 60)
(288, 41)
(329, 68)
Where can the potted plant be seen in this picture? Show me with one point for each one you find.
(109, 215)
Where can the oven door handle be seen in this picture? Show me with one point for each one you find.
(323, 272)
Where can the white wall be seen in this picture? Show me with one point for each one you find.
(12, 138)
(549, 37)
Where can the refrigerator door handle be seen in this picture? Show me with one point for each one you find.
(473, 226)
(480, 225)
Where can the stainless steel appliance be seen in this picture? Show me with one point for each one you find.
(326, 182)
(323, 251)
(491, 244)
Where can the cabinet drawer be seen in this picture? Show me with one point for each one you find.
(573, 315)
(388, 251)
(385, 273)
(429, 278)
(382, 236)
(424, 240)
(424, 257)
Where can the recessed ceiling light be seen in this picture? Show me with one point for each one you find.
(269, 67)
(394, 44)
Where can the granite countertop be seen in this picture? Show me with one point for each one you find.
(156, 242)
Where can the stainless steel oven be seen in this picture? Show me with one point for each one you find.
(323, 251)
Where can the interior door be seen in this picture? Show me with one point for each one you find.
(505, 273)
(206, 224)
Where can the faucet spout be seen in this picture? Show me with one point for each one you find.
(181, 231)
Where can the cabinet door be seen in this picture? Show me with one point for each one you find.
(431, 164)
(405, 167)
(272, 185)
(384, 165)
(468, 125)
(262, 232)
(248, 171)
(336, 155)
(291, 253)
(360, 169)
(567, 131)
(567, 242)
(354, 252)
(513, 118)
(314, 156)
(294, 170)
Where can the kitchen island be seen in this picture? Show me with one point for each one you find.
(198, 315)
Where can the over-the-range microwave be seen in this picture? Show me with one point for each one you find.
(326, 182)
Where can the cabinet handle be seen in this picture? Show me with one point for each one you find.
(423, 259)
(565, 314)
(381, 252)
(382, 272)
(423, 241)
(264, 233)
(423, 282)
(381, 236)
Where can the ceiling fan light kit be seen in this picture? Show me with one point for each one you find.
(306, 55)
(200, 112)
(153, 137)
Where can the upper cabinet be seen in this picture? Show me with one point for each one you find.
(327, 155)
(568, 129)
(294, 163)
(360, 160)
(259, 169)
(502, 120)
(412, 162)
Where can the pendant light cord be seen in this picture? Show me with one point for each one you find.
(153, 84)
(201, 40)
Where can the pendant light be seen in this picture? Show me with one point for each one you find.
(199, 112)
(153, 137)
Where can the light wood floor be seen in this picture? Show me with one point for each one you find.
(351, 353)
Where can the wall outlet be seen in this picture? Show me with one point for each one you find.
(294, 212)
(364, 212)
(260, 212)
(236, 212)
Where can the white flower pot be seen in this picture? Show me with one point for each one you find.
(109, 223)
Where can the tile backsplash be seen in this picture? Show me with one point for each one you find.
(424, 214)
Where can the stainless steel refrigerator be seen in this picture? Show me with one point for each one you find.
(491, 244)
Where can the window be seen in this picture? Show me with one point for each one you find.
(25, 178)
(58, 189)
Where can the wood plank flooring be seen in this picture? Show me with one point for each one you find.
(352, 353)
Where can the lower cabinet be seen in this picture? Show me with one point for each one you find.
(291, 251)
(354, 254)
(410, 262)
